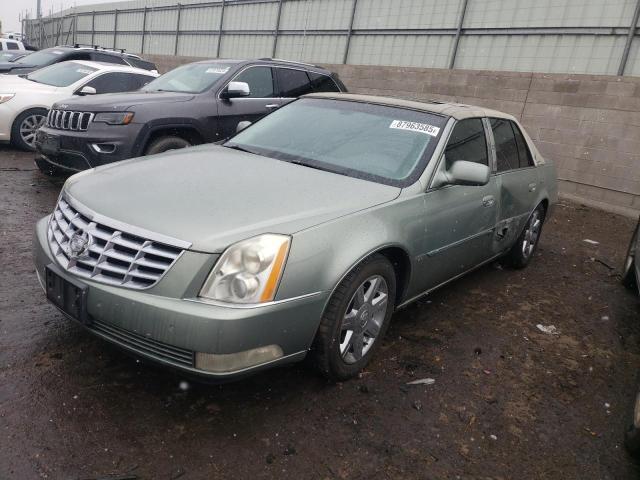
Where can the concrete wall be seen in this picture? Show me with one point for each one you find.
(588, 124)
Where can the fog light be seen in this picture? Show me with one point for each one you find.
(229, 362)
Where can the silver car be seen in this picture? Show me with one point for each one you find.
(299, 236)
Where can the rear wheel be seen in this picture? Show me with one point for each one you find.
(25, 126)
(629, 279)
(355, 319)
(521, 253)
(164, 144)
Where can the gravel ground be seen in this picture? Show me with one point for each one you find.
(508, 400)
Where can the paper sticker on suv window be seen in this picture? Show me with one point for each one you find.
(218, 70)
(57, 52)
(415, 127)
(82, 70)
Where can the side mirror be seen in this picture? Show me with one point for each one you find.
(86, 90)
(465, 173)
(236, 90)
(242, 125)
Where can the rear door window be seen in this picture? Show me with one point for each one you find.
(467, 142)
(260, 81)
(524, 154)
(506, 146)
(293, 83)
(12, 46)
(322, 83)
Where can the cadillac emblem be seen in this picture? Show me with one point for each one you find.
(79, 244)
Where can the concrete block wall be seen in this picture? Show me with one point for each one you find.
(588, 124)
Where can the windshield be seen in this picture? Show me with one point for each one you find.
(385, 144)
(193, 78)
(42, 58)
(61, 74)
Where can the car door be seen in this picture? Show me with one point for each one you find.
(518, 181)
(261, 101)
(292, 83)
(459, 219)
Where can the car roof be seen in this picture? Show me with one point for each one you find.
(459, 111)
(112, 67)
(266, 61)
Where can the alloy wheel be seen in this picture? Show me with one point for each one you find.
(363, 318)
(29, 127)
(531, 234)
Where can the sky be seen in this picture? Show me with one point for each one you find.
(10, 10)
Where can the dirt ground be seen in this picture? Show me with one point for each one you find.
(509, 402)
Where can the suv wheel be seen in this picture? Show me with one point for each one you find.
(164, 144)
(355, 319)
(25, 126)
(521, 253)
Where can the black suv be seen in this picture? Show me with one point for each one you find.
(49, 56)
(196, 103)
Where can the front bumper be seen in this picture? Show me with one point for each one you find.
(74, 151)
(171, 330)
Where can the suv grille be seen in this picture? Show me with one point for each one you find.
(106, 255)
(68, 120)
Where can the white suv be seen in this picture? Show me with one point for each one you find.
(24, 101)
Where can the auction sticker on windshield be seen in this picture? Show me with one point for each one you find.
(415, 127)
(82, 70)
(220, 70)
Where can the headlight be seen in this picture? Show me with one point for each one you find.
(116, 118)
(248, 271)
(5, 97)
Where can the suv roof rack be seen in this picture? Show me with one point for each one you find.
(267, 59)
(87, 46)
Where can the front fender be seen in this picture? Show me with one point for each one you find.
(153, 126)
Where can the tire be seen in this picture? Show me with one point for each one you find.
(338, 352)
(23, 130)
(164, 144)
(629, 279)
(522, 251)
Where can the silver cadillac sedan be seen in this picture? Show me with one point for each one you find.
(299, 236)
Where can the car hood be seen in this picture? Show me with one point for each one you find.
(13, 83)
(15, 68)
(212, 196)
(117, 102)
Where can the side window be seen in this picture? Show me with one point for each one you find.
(12, 46)
(526, 160)
(142, 80)
(467, 142)
(78, 56)
(115, 82)
(293, 83)
(322, 83)
(260, 81)
(0, 46)
(506, 147)
(103, 57)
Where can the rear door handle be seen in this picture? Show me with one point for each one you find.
(489, 201)
(272, 106)
(532, 187)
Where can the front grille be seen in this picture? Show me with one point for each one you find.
(108, 255)
(68, 120)
(143, 344)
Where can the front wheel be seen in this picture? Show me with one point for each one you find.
(521, 253)
(356, 318)
(25, 126)
(629, 279)
(164, 144)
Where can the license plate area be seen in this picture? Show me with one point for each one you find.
(68, 295)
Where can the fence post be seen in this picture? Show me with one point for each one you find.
(275, 33)
(456, 40)
(631, 34)
(220, 30)
(144, 28)
(115, 28)
(175, 48)
(75, 27)
(350, 32)
(93, 28)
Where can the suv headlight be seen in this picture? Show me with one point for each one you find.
(5, 97)
(248, 271)
(115, 118)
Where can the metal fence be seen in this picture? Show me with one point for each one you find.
(553, 36)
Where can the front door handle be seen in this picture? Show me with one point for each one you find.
(489, 201)
(532, 187)
(272, 106)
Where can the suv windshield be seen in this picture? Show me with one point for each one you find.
(61, 74)
(41, 58)
(388, 145)
(193, 78)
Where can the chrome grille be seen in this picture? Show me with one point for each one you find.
(113, 256)
(143, 344)
(68, 120)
